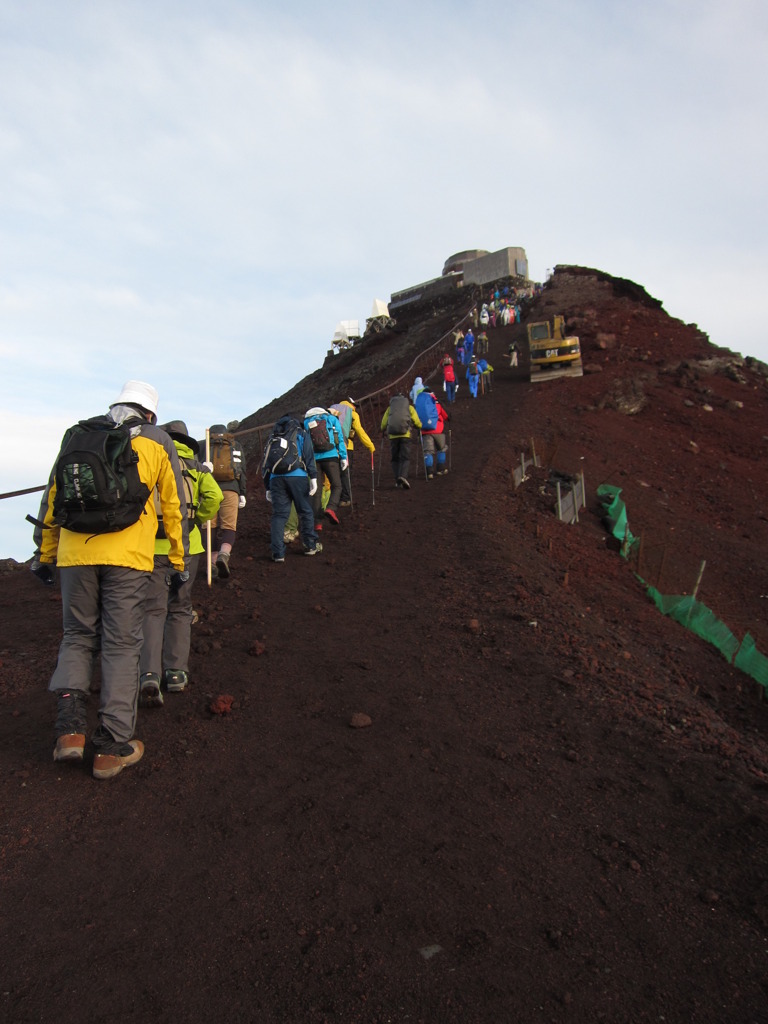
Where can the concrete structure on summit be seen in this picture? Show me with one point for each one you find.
(468, 267)
(493, 266)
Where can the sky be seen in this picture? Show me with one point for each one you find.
(196, 194)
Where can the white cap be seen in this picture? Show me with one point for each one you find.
(136, 392)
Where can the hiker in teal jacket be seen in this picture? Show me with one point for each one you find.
(330, 461)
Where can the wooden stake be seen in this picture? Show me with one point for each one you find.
(695, 592)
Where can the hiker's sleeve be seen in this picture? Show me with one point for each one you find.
(209, 497)
(309, 456)
(415, 417)
(47, 538)
(170, 487)
(384, 420)
(341, 446)
(360, 433)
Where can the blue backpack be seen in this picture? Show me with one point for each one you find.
(426, 410)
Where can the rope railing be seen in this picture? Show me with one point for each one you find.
(422, 366)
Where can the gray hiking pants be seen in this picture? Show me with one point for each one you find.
(103, 610)
(167, 620)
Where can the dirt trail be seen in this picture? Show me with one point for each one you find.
(557, 812)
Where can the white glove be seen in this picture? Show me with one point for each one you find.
(312, 487)
(269, 495)
(344, 464)
(241, 502)
(208, 466)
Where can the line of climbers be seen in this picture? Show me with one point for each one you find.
(121, 517)
(120, 520)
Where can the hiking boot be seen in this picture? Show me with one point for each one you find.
(318, 527)
(315, 550)
(107, 765)
(70, 726)
(222, 565)
(290, 535)
(430, 476)
(442, 472)
(195, 617)
(403, 483)
(332, 516)
(150, 695)
(176, 680)
(277, 558)
(345, 504)
(69, 747)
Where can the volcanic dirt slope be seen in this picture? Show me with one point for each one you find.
(558, 811)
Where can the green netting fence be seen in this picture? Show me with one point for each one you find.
(685, 609)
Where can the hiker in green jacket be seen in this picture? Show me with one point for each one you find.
(168, 615)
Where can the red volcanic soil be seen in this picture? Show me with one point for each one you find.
(455, 770)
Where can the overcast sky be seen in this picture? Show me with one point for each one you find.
(195, 194)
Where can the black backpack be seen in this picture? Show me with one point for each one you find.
(98, 487)
(282, 452)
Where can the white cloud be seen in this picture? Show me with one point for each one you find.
(196, 195)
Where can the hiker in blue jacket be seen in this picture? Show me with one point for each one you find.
(330, 455)
(469, 346)
(473, 376)
(293, 479)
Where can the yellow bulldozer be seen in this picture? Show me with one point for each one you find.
(552, 353)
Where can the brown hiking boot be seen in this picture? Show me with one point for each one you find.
(69, 747)
(105, 766)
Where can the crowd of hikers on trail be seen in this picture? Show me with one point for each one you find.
(133, 509)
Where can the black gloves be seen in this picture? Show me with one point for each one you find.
(43, 571)
(176, 581)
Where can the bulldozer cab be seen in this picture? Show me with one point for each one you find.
(552, 353)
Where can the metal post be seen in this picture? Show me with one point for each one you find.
(373, 483)
(559, 503)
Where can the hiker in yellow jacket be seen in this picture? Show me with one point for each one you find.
(104, 578)
(396, 424)
(354, 429)
(168, 616)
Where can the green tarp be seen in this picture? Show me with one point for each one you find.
(684, 609)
